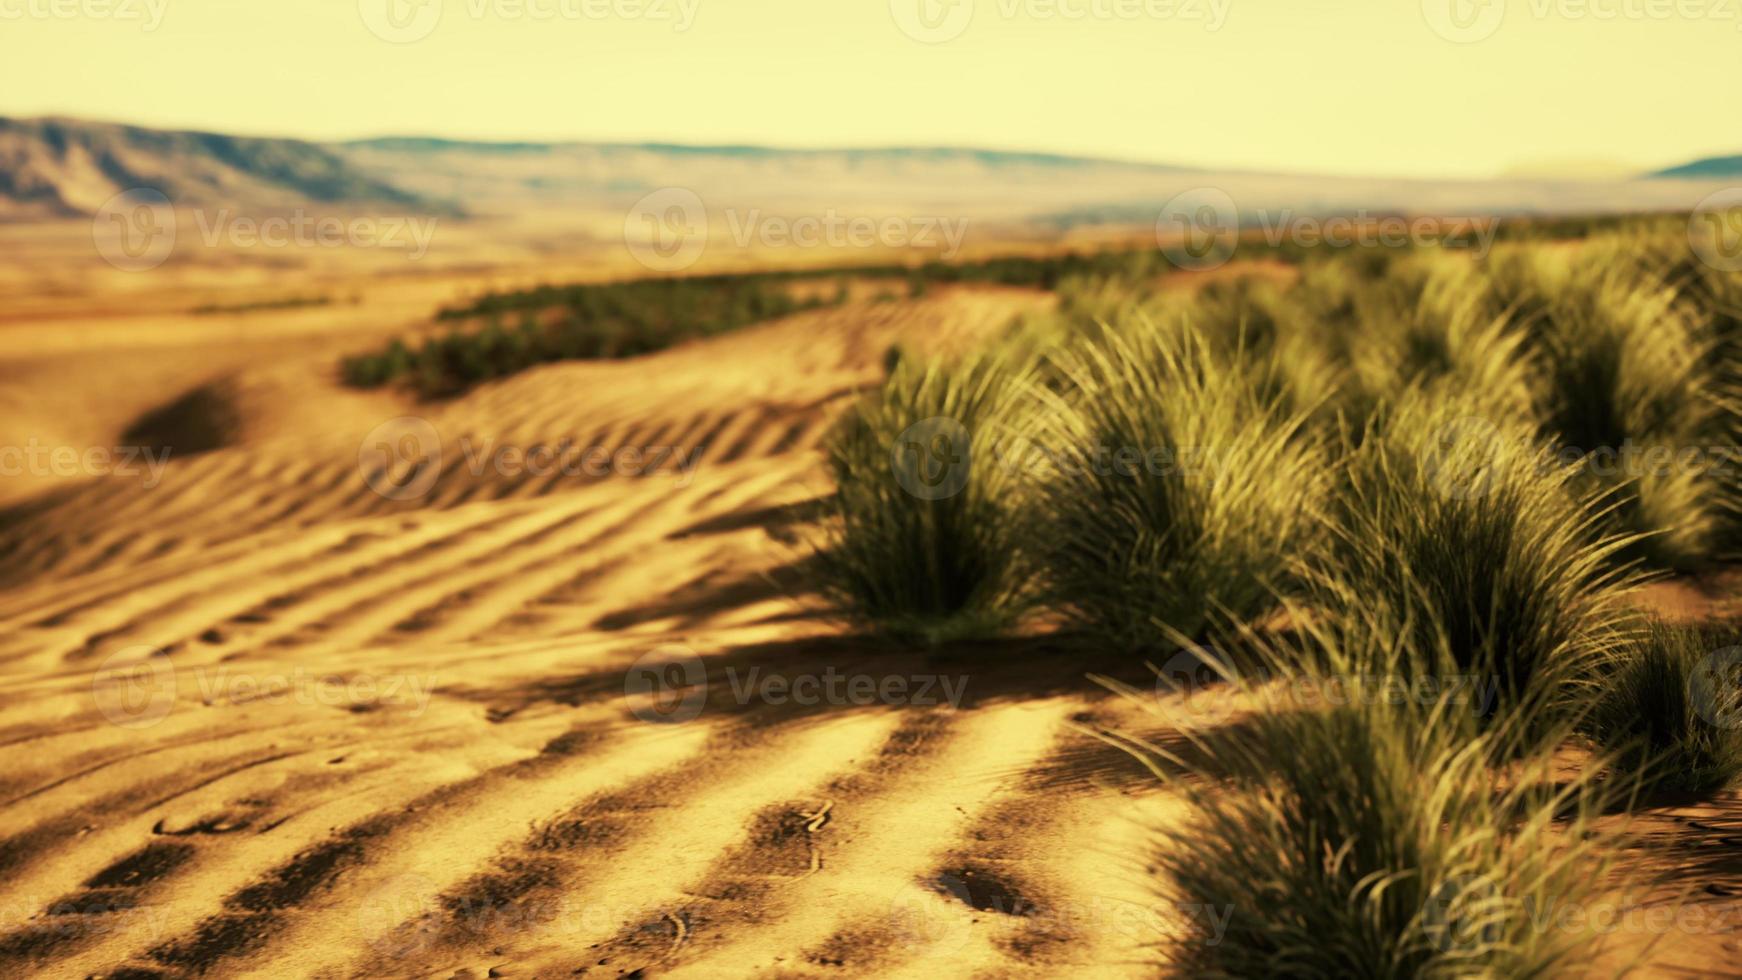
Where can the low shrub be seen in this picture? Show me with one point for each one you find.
(1371, 842)
(923, 537)
(1176, 491)
(1454, 522)
(1376, 836)
(1671, 710)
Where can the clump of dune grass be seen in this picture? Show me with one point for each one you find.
(1088, 300)
(1430, 327)
(1271, 330)
(1671, 710)
(1245, 312)
(1326, 291)
(1641, 376)
(1521, 280)
(1085, 304)
(1459, 523)
(1302, 376)
(1624, 361)
(922, 538)
(1371, 842)
(1175, 489)
(1635, 390)
(1372, 836)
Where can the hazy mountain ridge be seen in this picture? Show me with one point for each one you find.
(984, 157)
(54, 167)
(58, 168)
(1710, 168)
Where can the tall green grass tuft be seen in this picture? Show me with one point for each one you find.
(922, 540)
(1371, 844)
(1624, 361)
(1455, 522)
(1176, 491)
(1429, 327)
(1375, 838)
(1671, 712)
(1633, 388)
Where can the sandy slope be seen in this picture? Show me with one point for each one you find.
(472, 788)
(451, 776)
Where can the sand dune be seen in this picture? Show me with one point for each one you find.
(451, 776)
(298, 707)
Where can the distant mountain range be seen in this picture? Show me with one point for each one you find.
(1711, 168)
(938, 154)
(59, 168)
(65, 167)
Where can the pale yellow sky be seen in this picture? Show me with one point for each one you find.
(1357, 86)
